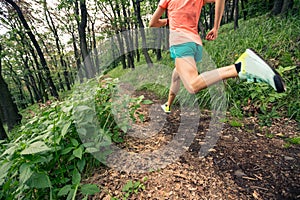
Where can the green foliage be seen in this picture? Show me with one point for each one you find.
(117, 72)
(132, 187)
(294, 140)
(235, 123)
(256, 8)
(112, 105)
(46, 158)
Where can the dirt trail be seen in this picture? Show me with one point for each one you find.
(247, 162)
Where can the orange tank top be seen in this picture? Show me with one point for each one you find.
(183, 18)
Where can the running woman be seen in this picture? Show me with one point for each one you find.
(186, 50)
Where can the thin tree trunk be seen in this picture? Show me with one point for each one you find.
(137, 9)
(128, 40)
(118, 35)
(82, 24)
(3, 134)
(236, 14)
(27, 84)
(244, 9)
(32, 81)
(22, 100)
(95, 50)
(58, 45)
(49, 80)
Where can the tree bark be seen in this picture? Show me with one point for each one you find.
(31, 80)
(277, 7)
(287, 5)
(82, 24)
(8, 106)
(3, 134)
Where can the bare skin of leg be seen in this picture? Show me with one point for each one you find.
(174, 88)
(186, 69)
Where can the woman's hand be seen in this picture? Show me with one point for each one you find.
(212, 34)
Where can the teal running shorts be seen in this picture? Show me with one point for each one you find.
(189, 49)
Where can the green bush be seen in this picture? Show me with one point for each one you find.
(46, 158)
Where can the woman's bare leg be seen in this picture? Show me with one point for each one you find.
(174, 88)
(187, 70)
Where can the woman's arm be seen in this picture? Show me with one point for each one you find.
(156, 21)
(219, 8)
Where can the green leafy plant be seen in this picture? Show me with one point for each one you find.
(235, 123)
(133, 187)
(294, 140)
(46, 158)
(112, 106)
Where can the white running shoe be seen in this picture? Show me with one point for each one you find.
(255, 69)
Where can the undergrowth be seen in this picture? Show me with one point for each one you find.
(277, 40)
(49, 155)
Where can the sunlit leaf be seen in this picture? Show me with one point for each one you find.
(36, 147)
(89, 189)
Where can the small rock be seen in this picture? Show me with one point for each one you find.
(212, 150)
(227, 137)
(288, 158)
(239, 173)
(236, 139)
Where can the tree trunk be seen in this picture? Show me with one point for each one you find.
(287, 5)
(128, 39)
(137, 9)
(137, 51)
(277, 7)
(27, 84)
(211, 16)
(95, 50)
(82, 24)
(3, 134)
(76, 55)
(21, 97)
(31, 80)
(123, 35)
(8, 106)
(58, 46)
(243, 8)
(118, 35)
(236, 14)
(37, 47)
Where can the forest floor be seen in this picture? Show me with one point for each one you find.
(247, 162)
